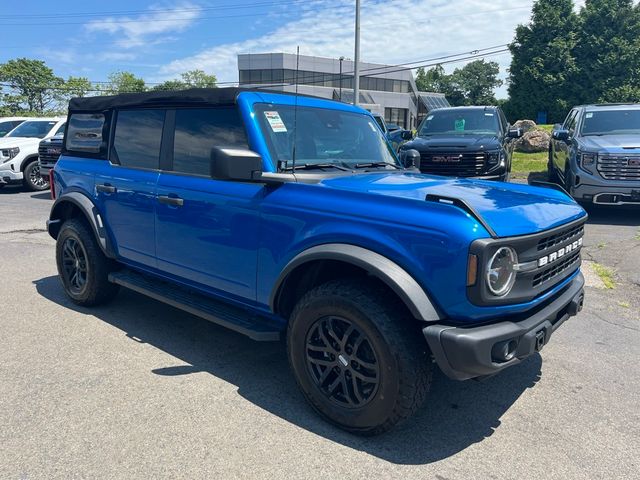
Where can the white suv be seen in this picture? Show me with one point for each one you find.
(9, 123)
(19, 152)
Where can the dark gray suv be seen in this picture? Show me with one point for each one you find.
(595, 154)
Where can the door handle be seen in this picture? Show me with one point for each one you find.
(106, 188)
(173, 201)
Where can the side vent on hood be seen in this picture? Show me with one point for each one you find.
(457, 202)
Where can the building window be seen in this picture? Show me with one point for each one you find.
(397, 116)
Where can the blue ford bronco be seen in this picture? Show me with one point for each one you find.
(283, 216)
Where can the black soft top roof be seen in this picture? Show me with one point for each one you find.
(192, 96)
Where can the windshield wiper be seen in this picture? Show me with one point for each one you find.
(376, 164)
(314, 166)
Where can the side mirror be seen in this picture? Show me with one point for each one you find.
(514, 133)
(410, 158)
(560, 134)
(231, 163)
(407, 135)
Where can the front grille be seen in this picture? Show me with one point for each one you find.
(558, 238)
(453, 164)
(48, 158)
(619, 167)
(556, 269)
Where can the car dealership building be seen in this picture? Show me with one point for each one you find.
(385, 89)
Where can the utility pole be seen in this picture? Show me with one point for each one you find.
(356, 70)
(341, 60)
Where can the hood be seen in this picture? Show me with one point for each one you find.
(456, 142)
(21, 142)
(510, 209)
(612, 143)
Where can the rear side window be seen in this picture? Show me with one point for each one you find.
(86, 133)
(198, 130)
(137, 138)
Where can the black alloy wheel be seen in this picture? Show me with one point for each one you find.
(342, 362)
(32, 178)
(75, 267)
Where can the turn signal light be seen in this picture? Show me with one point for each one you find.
(472, 270)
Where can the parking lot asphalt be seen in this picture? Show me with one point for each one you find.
(136, 389)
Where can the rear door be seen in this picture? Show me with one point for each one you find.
(207, 229)
(126, 187)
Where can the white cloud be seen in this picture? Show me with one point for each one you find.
(395, 31)
(148, 28)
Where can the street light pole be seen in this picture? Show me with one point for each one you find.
(340, 88)
(356, 70)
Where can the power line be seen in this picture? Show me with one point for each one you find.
(151, 11)
(451, 59)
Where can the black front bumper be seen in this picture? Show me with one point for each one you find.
(467, 352)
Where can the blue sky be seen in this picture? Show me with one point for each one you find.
(158, 40)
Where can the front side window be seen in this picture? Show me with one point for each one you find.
(460, 122)
(33, 129)
(137, 138)
(322, 136)
(611, 122)
(198, 130)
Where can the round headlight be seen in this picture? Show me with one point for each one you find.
(501, 271)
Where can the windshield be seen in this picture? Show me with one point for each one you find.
(33, 129)
(460, 122)
(611, 122)
(324, 136)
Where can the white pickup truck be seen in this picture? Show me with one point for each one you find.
(19, 152)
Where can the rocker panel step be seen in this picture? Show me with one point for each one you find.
(234, 318)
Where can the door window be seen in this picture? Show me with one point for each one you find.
(198, 130)
(137, 138)
(570, 122)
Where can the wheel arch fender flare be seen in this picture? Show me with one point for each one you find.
(27, 160)
(379, 266)
(79, 201)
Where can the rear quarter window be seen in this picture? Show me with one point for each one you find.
(87, 134)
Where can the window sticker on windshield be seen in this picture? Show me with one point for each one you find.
(429, 117)
(487, 114)
(589, 115)
(276, 123)
(372, 126)
(459, 125)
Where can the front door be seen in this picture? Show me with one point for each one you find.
(126, 185)
(207, 229)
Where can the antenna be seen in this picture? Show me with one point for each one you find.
(295, 114)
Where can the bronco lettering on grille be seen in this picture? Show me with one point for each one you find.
(552, 257)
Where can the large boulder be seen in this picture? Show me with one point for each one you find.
(533, 141)
(525, 125)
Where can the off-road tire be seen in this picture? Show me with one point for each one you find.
(401, 352)
(30, 183)
(97, 289)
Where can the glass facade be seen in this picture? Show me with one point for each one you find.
(399, 116)
(278, 76)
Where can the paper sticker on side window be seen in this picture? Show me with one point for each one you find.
(276, 123)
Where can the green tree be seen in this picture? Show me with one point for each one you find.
(432, 80)
(124, 82)
(77, 87)
(199, 79)
(170, 85)
(476, 82)
(543, 64)
(608, 51)
(29, 85)
(190, 79)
